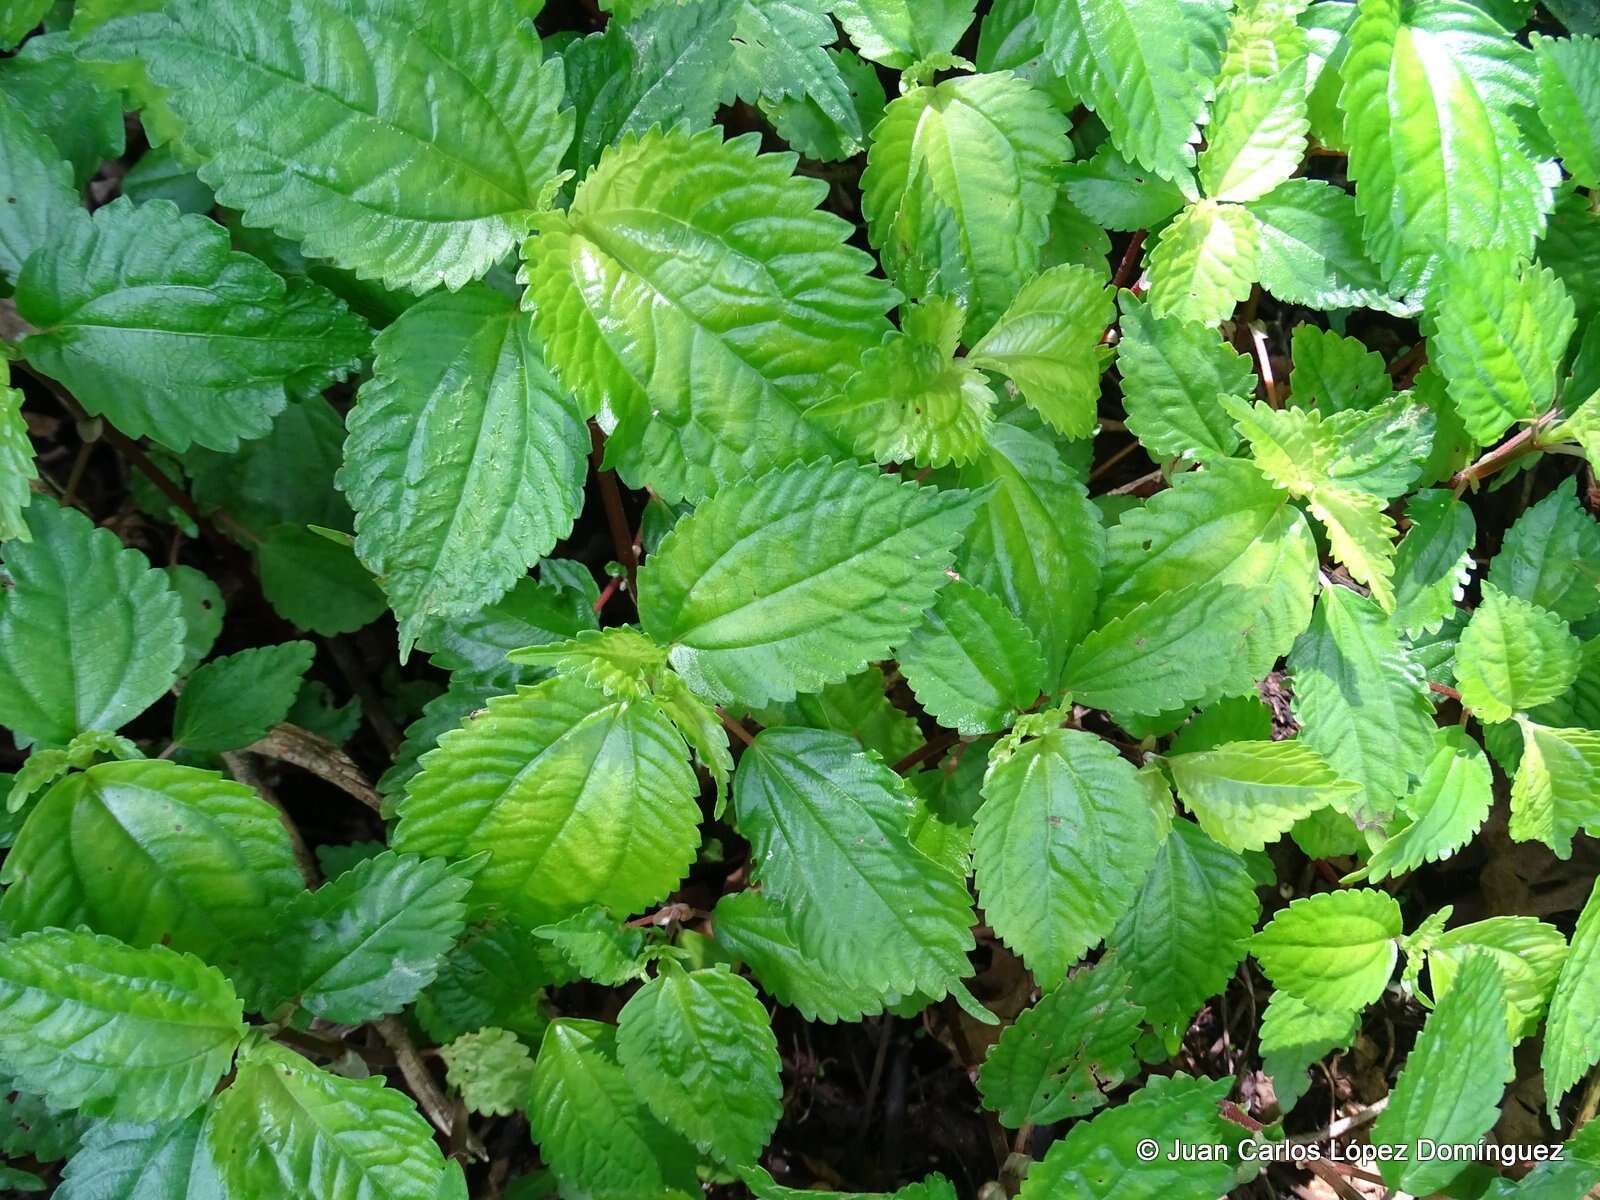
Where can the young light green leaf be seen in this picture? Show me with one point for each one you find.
(1204, 262)
(1551, 556)
(1569, 102)
(1444, 1095)
(1448, 805)
(1527, 952)
(1060, 1057)
(152, 321)
(90, 633)
(599, 947)
(1361, 699)
(1188, 930)
(971, 663)
(17, 468)
(1048, 344)
(1247, 794)
(465, 462)
(414, 186)
(1556, 791)
(143, 1162)
(491, 1070)
(284, 1127)
(699, 1050)
(1334, 951)
(1503, 325)
(366, 943)
(593, 1128)
(959, 186)
(797, 579)
(827, 826)
(1311, 251)
(1172, 373)
(1572, 1033)
(1150, 91)
(1102, 1159)
(1293, 1036)
(898, 33)
(233, 701)
(702, 390)
(1438, 159)
(1070, 797)
(1257, 132)
(213, 860)
(1434, 563)
(581, 799)
(120, 1032)
(1513, 656)
(36, 187)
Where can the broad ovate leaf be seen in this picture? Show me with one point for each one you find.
(579, 797)
(1257, 132)
(1247, 794)
(959, 186)
(1513, 656)
(233, 701)
(143, 1161)
(465, 461)
(90, 633)
(1556, 791)
(898, 33)
(1310, 249)
(149, 318)
(1063, 841)
(1204, 262)
(17, 469)
(1528, 953)
(1572, 1032)
(699, 381)
(36, 186)
(1569, 102)
(797, 579)
(1449, 804)
(408, 142)
(971, 663)
(126, 1033)
(1173, 372)
(1335, 950)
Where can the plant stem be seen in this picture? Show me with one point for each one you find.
(1502, 456)
(616, 519)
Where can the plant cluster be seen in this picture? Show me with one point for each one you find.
(567, 573)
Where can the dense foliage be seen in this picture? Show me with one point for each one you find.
(610, 601)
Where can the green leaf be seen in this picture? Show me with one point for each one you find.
(1334, 951)
(1247, 794)
(1070, 798)
(118, 1032)
(1513, 656)
(492, 977)
(286, 1128)
(316, 583)
(1150, 91)
(1527, 952)
(16, 461)
(817, 128)
(491, 1070)
(151, 321)
(1333, 373)
(756, 930)
(465, 462)
(579, 798)
(1257, 132)
(898, 33)
(1099, 1159)
(827, 826)
(366, 943)
(1361, 699)
(1059, 1058)
(233, 701)
(143, 1162)
(1204, 262)
(1572, 1033)
(1310, 249)
(1556, 786)
(1048, 344)
(699, 386)
(778, 54)
(762, 1186)
(1172, 374)
(534, 612)
(797, 579)
(959, 186)
(1551, 556)
(1037, 542)
(1434, 563)
(36, 185)
(1449, 804)
(593, 1128)
(1444, 1095)
(1503, 325)
(154, 853)
(64, 101)
(90, 633)
(699, 1050)
(911, 402)
(971, 663)
(1435, 149)
(858, 707)
(598, 946)
(1188, 930)
(17, 19)
(1115, 193)
(1293, 1036)
(343, 151)
(1569, 102)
